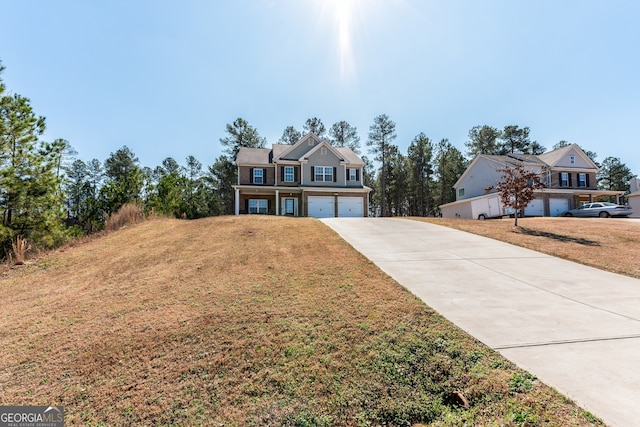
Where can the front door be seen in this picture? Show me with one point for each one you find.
(289, 207)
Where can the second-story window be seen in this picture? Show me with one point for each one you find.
(258, 176)
(564, 179)
(582, 180)
(353, 174)
(572, 159)
(324, 173)
(288, 174)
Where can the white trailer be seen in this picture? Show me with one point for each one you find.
(489, 207)
(480, 207)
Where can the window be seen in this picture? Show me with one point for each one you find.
(564, 179)
(258, 177)
(353, 174)
(461, 192)
(582, 180)
(572, 160)
(323, 151)
(324, 173)
(258, 206)
(288, 174)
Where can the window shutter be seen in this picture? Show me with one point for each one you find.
(570, 184)
(560, 179)
(588, 180)
(250, 175)
(264, 176)
(295, 174)
(281, 173)
(335, 178)
(246, 206)
(357, 174)
(348, 174)
(313, 173)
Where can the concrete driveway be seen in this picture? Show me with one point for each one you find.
(576, 328)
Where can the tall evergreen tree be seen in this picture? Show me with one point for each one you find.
(125, 180)
(316, 126)
(241, 134)
(222, 176)
(290, 136)
(342, 134)
(535, 148)
(450, 165)
(396, 175)
(381, 133)
(515, 140)
(483, 140)
(614, 175)
(420, 155)
(167, 197)
(31, 203)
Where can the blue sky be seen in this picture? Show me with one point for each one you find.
(165, 77)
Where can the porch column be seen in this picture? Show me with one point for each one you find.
(237, 208)
(277, 202)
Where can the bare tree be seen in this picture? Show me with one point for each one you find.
(517, 186)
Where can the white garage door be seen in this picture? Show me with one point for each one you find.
(350, 207)
(321, 207)
(535, 208)
(558, 206)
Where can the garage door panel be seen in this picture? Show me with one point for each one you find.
(558, 206)
(535, 208)
(321, 206)
(350, 207)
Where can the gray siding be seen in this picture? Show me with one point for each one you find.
(301, 149)
(319, 159)
(483, 175)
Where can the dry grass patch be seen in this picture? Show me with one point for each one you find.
(20, 248)
(605, 243)
(247, 321)
(129, 213)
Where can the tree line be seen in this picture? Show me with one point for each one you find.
(47, 194)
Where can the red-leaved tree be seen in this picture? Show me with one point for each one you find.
(516, 187)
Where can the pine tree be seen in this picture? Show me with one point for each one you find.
(381, 133)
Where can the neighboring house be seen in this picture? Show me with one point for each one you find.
(569, 176)
(308, 178)
(634, 197)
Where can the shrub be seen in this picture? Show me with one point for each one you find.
(129, 213)
(20, 248)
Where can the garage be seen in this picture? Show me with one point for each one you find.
(535, 208)
(321, 206)
(350, 207)
(558, 206)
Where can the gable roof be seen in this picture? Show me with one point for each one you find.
(267, 156)
(322, 144)
(552, 158)
(301, 141)
(502, 161)
(350, 156)
(253, 156)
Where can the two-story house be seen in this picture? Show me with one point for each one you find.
(569, 176)
(308, 178)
